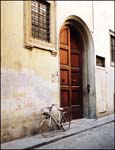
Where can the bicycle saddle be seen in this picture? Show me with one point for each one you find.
(60, 109)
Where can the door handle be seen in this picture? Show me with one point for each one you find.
(88, 88)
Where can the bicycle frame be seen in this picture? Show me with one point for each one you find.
(50, 115)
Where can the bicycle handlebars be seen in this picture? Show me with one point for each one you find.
(50, 108)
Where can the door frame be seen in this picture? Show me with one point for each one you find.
(88, 60)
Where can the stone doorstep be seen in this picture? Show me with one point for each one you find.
(77, 126)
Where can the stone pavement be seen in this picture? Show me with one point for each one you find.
(77, 126)
(101, 137)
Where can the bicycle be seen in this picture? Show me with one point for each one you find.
(50, 123)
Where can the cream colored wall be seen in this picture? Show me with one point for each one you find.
(78, 8)
(29, 79)
(103, 22)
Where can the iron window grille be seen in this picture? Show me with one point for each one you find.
(40, 17)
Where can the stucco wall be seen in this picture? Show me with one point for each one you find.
(29, 79)
(103, 22)
(77, 8)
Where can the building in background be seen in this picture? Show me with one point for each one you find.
(59, 52)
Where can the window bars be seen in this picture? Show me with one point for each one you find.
(40, 20)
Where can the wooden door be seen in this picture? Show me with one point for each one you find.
(70, 72)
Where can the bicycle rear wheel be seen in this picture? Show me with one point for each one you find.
(65, 121)
(47, 127)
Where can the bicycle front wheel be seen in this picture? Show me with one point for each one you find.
(65, 121)
(47, 127)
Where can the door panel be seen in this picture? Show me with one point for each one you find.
(64, 57)
(75, 60)
(70, 72)
(64, 34)
(76, 112)
(64, 77)
(75, 78)
(65, 98)
(76, 97)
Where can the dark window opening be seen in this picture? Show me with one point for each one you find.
(100, 61)
(40, 20)
(112, 48)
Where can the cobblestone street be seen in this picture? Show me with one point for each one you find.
(98, 138)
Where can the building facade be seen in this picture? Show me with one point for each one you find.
(58, 52)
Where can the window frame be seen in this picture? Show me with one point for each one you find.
(111, 33)
(30, 41)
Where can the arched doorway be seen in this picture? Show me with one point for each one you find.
(71, 71)
(77, 69)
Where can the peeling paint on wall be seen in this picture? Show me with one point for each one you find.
(22, 97)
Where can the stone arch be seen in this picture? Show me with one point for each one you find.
(89, 96)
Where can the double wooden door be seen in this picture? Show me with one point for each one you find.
(71, 72)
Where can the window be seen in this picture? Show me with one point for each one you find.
(40, 20)
(112, 47)
(40, 26)
(100, 61)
